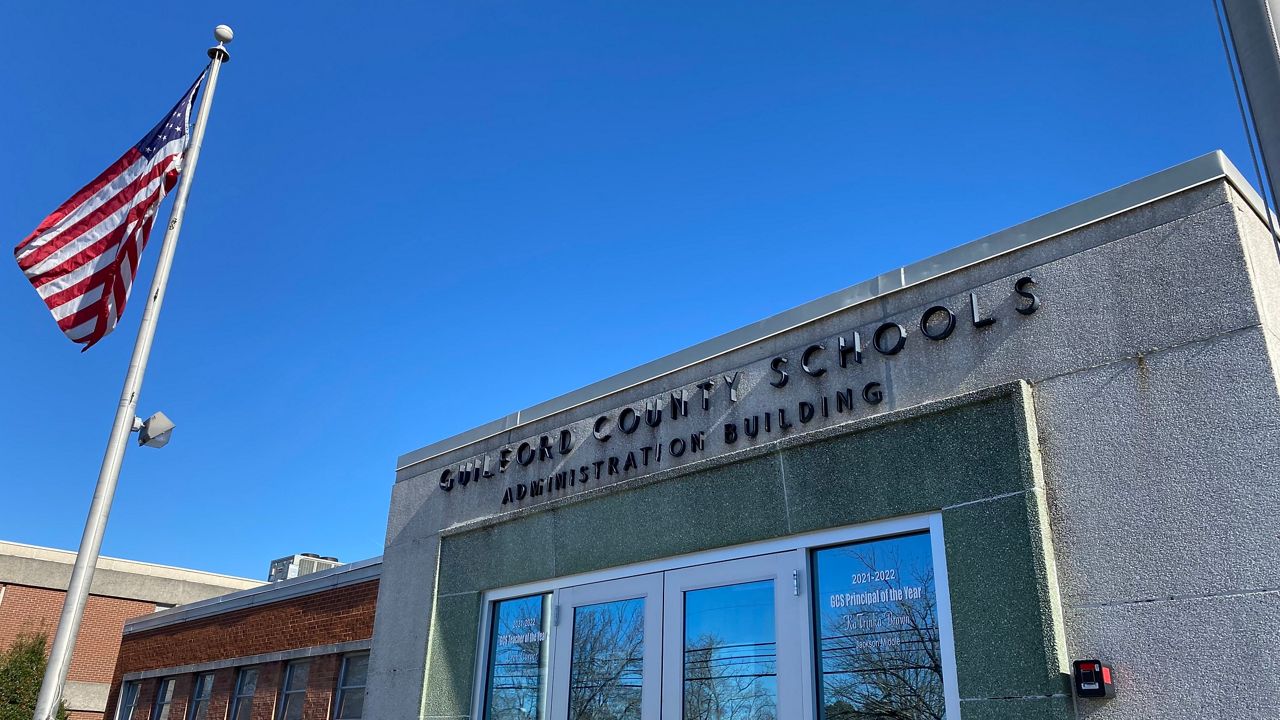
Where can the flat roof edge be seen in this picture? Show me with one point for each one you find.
(1184, 176)
(40, 553)
(349, 574)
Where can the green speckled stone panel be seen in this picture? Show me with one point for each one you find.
(918, 465)
(451, 662)
(729, 505)
(968, 459)
(999, 603)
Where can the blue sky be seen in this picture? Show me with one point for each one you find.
(413, 218)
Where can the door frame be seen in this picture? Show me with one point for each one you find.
(790, 622)
(804, 542)
(644, 587)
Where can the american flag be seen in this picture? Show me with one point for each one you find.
(83, 257)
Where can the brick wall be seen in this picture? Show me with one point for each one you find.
(28, 609)
(338, 615)
(343, 614)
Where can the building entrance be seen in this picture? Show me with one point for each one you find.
(839, 626)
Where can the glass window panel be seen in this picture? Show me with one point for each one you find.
(877, 620)
(518, 650)
(292, 708)
(351, 706)
(247, 682)
(128, 700)
(246, 686)
(355, 673)
(295, 690)
(298, 672)
(164, 700)
(730, 653)
(607, 670)
(200, 693)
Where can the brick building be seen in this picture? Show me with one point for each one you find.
(296, 649)
(33, 582)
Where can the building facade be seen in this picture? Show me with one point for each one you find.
(33, 585)
(295, 649)
(924, 496)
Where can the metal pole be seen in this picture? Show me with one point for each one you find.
(55, 675)
(1252, 26)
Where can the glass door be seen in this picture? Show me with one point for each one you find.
(607, 650)
(734, 639)
(844, 623)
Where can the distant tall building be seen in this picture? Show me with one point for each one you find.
(292, 566)
(33, 584)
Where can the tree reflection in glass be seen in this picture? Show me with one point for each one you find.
(518, 659)
(730, 653)
(878, 623)
(607, 672)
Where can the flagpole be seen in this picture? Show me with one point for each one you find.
(55, 676)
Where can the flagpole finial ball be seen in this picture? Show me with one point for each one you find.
(223, 34)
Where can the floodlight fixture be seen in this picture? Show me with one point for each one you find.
(155, 431)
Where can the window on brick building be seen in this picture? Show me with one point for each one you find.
(128, 700)
(293, 691)
(351, 681)
(201, 691)
(164, 699)
(242, 701)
